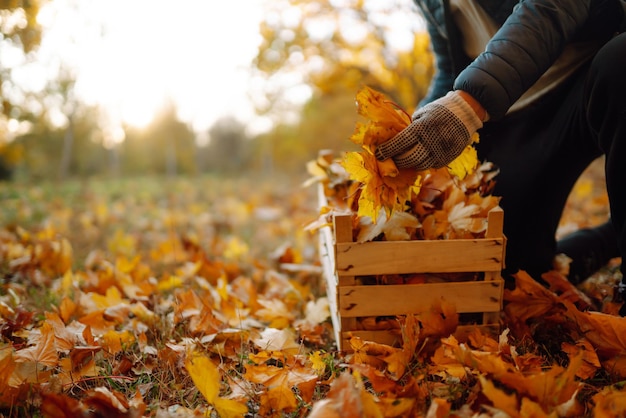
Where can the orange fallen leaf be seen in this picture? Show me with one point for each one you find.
(551, 388)
(591, 362)
(607, 333)
(277, 401)
(67, 308)
(530, 300)
(502, 401)
(566, 290)
(610, 403)
(441, 320)
(65, 340)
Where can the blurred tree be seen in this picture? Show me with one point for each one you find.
(89, 154)
(165, 146)
(228, 150)
(19, 23)
(19, 34)
(336, 46)
(60, 94)
(327, 50)
(41, 145)
(45, 148)
(326, 122)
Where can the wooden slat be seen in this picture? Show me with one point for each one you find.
(391, 300)
(400, 257)
(327, 258)
(495, 223)
(342, 225)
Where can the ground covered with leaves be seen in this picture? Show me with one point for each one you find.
(205, 297)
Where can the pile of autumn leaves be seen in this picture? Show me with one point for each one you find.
(222, 336)
(174, 316)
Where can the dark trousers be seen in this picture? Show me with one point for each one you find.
(541, 152)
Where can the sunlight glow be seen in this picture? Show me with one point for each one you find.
(133, 57)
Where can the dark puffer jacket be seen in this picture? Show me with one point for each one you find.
(532, 35)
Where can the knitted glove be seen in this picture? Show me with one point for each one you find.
(439, 133)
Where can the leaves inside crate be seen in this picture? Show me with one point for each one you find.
(445, 207)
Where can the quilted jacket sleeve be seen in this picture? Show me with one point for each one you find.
(530, 40)
(448, 62)
(443, 78)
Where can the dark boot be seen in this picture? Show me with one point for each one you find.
(590, 249)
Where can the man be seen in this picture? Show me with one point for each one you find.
(544, 84)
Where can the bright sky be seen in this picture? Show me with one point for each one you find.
(132, 55)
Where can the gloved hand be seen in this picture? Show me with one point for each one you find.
(438, 134)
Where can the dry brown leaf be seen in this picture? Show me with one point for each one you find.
(559, 284)
(113, 404)
(44, 352)
(58, 405)
(607, 333)
(65, 340)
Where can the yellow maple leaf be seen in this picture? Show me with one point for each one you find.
(206, 377)
(353, 162)
(465, 163)
(115, 341)
(383, 186)
(318, 363)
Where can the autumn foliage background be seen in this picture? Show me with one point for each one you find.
(135, 282)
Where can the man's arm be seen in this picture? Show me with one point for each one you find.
(530, 40)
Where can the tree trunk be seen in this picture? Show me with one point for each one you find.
(66, 156)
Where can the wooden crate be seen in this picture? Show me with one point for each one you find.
(344, 261)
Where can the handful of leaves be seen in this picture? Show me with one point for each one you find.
(403, 204)
(383, 184)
